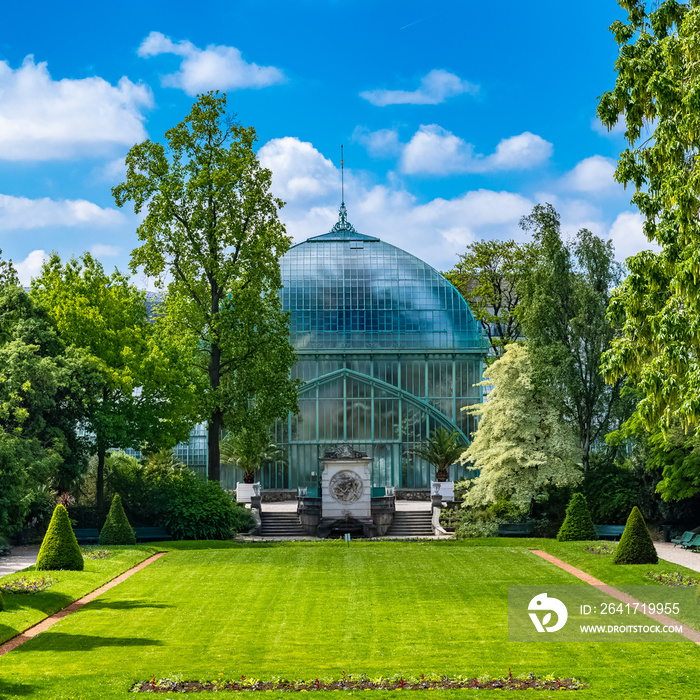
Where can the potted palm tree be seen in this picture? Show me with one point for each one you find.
(248, 451)
(442, 449)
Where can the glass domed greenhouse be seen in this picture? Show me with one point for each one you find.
(388, 350)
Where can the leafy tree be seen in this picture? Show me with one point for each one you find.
(43, 386)
(248, 450)
(563, 310)
(145, 392)
(658, 305)
(488, 276)
(441, 450)
(522, 445)
(577, 525)
(635, 545)
(211, 226)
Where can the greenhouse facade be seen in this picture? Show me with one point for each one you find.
(388, 350)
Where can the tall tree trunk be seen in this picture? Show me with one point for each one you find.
(100, 486)
(214, 427)
(216, 420)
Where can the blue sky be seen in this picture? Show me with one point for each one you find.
(456, 117)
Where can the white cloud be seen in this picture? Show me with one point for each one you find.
(30, 266)
(594, 174)
(100, 250)
(435, 151)
(112, 171)
(212, 68)
(627, 235)
(435, 87)
(21, 213)
(44, 119)
(379, 144)
(434, 231)
(617, 130)
(299, 171)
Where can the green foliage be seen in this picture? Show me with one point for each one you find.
(188, 506)
(142, 390)
(441, 450)
(196, 509)
(578, 524)
(612, 488)
(563, 311)
(522, 445)
(211, 225)
(116, 529)
(488, 276)
(658, 304)
(636, 546)
(2, 604)
(60, 549)
(249, 449)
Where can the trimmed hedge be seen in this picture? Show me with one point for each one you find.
(60, 549)
(2, 605)
(635, 545)
(117, 529)
(577, 525)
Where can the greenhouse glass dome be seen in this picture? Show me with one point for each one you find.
(388, 350)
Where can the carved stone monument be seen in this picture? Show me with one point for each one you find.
(346, 491)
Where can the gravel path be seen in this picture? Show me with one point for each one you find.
(676, 555)
(21, 558)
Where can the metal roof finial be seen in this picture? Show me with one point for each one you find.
(342, 176)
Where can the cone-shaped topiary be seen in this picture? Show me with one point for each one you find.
(60, 549)
(635, 545)
(116, 529)
(577, 525)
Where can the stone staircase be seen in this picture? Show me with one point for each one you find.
(411, 523)
(281, 525)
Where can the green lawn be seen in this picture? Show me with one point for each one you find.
(23, 610)
(318, 609)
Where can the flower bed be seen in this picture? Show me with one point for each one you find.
(23, 584)
(674, 579)
(363, 682)
(96, 553)
(603, 548)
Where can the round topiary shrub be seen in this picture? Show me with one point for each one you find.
(117, 529)
(60, 549)
(635, 545)
(577, 525)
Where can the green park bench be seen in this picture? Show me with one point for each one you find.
(683, 539)
(515, 529)
(692, 543)
(604, 532)
(151, 534)
(86, 535)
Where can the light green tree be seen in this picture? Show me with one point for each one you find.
(145, 392)
(522, 445)
(657, 98)
(211, 233)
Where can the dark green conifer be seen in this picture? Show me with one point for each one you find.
(577, 525)
(635, 545)
(60, 549)
(117, 529)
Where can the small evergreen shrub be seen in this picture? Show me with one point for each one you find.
(117, 529)
(60, 549)
(577, 525)
(635, 545)
(2, 605)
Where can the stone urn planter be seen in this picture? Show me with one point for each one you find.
(446, 489)
(245, 491)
